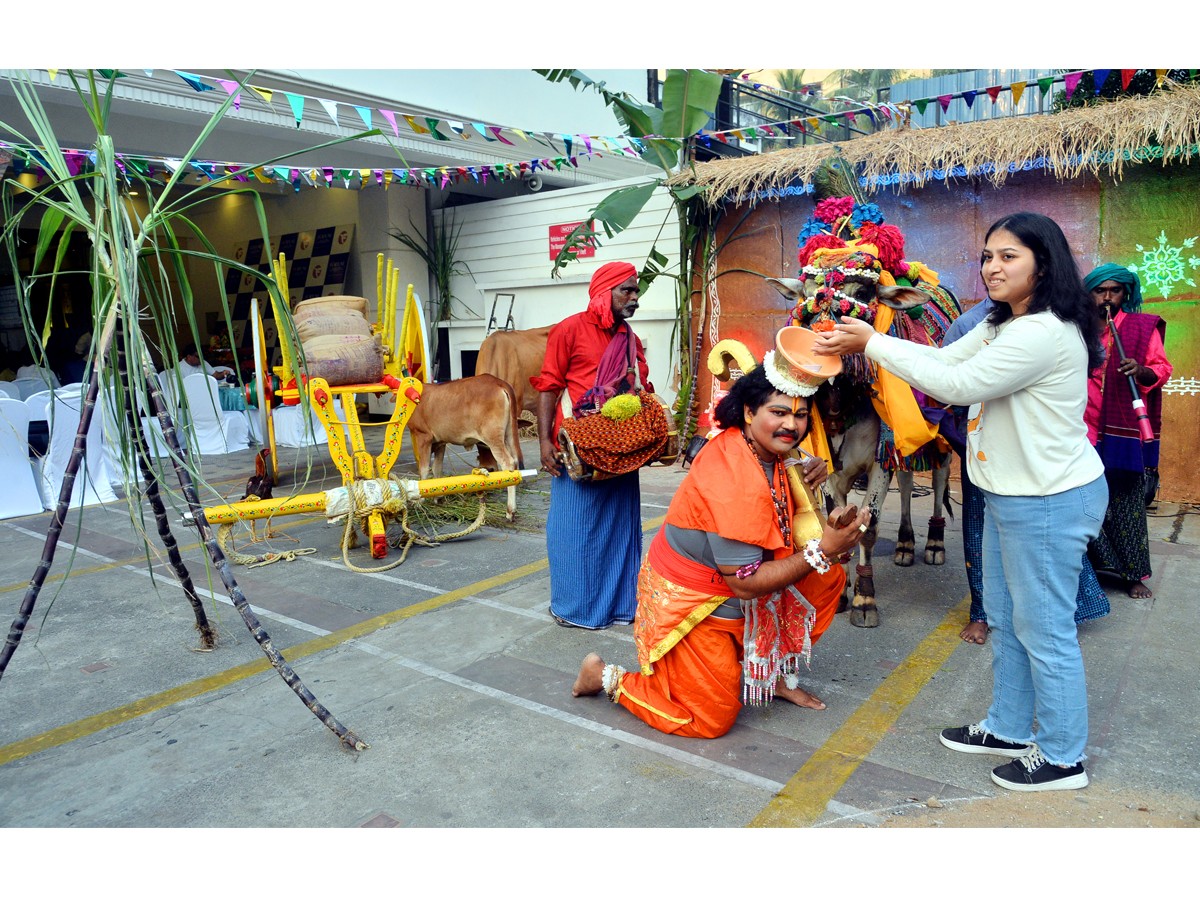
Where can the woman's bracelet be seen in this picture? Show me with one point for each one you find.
(815, 557)
(747, 570)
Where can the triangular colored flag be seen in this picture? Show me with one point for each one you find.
(1018, 88)
(495, 129)
(521, 133)
(479, 126)
(1045, 83)
(331, 107)
(1099, 76)
(230, 87)
(53, 73)
(113, 73)
(1071, 81)
(193, 80)
(412, 123)
(994, 92)
(457, 128)
(297, 104)
(944, 101)
(1159, 76)
(969, 97)
(364, 113)
(433, 124)
(264, 93)
(567, 143)
(391, 117)
(921, 104)
(1126, 77)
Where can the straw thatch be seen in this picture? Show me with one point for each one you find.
(1095, 140)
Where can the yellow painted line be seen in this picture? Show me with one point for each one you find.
(92, 724)
(807, 794)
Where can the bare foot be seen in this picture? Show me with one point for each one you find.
(1139, 591)
(975, 633)
(591, 677)
(798, 695)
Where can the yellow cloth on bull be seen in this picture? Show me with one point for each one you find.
(893, 398)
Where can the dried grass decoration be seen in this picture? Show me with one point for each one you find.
(629, 432)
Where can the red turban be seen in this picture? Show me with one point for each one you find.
(607, 277)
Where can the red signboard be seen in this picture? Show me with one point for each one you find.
(558, 240)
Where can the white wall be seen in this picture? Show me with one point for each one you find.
(505, 244)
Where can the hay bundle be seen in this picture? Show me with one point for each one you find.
(1093, 140)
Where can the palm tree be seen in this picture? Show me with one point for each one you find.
(865, 84)
(138, 271)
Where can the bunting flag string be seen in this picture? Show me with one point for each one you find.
(896, 113)
(24, 159)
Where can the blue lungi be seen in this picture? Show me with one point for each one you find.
(594, 543)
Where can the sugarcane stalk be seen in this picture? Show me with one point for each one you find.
(208, 633)
(221, 563)
(54, 532)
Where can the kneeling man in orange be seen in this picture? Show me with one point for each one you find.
(728, 605)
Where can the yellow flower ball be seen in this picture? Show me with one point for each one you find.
(621, 407)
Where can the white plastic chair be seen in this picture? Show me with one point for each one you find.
(31, 379)
(20, 496)
(93, 481)
(214, 431)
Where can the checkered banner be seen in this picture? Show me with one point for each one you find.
(318, 262)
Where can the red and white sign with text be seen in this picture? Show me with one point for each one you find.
(558, 240)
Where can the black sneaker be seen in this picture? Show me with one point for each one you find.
(1032, 772)
(973, 739)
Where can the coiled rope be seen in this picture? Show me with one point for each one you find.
(225, 542)
(395, 507)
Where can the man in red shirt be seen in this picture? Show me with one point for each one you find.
(594, 528)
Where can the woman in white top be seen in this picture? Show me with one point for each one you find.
(1023, 371)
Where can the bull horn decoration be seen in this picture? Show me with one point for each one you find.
(723, 352)
(807, 523)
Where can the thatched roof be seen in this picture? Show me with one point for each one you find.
(1094, 140)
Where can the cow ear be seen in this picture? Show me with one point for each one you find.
(792, 288)
(902, 296)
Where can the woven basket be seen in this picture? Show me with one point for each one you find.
(598, 447)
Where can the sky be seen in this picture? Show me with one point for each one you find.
(517, 97)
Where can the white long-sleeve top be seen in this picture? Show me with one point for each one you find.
(1026, 384)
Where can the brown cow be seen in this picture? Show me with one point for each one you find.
(515, 357)
(478, 410)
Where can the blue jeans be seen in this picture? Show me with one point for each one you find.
(1033, 551)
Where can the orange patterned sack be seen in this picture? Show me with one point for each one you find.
(617, 447)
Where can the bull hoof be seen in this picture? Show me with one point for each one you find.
(903, 557)
(864, 616)
(843, 604)
(935, 556)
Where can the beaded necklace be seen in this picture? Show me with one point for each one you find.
(778, 497)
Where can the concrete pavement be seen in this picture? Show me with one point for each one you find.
(449, 667)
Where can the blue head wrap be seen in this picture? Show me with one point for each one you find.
(1121, 275)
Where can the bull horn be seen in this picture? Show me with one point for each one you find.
(728, 350)
(792, 288)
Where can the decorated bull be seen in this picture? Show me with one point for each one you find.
(852, 264)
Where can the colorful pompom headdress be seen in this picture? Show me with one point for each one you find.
(846, 252)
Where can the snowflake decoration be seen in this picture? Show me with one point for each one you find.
(1164, 266)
